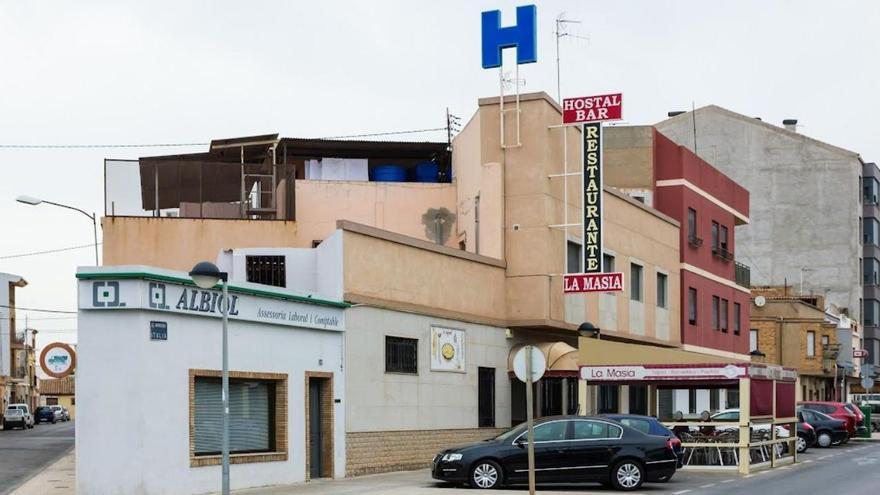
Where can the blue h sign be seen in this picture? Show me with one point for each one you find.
(523, 36)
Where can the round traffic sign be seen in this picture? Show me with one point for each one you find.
(58, 360)
(539, 363)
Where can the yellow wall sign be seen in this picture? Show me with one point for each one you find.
(592, 223)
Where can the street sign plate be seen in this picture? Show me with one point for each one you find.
(539, 363)
(158, 330)
(867, 383)
(860, 353)
(592, 282)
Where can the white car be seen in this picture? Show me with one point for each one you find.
(733, 415)
(11, 419)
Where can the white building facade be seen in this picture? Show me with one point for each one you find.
(148, 384)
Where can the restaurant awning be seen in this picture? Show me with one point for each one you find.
(594, 352)
(562, 359)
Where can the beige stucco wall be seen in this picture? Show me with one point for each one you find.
(178, 243)
(629, 157)
(406, 277)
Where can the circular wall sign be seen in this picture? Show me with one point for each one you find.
(58, 360)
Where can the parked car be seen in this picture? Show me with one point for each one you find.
(45, 414)
(26, 410)
(66, 413)
(61, 414)
(806, 435)
(651, 426)
(861, 429)
(14, 418)
(835, 410)
(829, 431)
(567, 449)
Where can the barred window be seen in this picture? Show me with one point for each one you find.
(266, 270)
(401, 355)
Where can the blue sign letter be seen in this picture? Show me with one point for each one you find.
(523, 36)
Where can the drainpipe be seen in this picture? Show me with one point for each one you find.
(477, 224)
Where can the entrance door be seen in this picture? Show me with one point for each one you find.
(486, 397)
(316, 432)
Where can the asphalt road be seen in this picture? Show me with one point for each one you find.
(24, 453)
(852, 469)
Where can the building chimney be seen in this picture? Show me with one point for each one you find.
(674, 113)
(790, 124)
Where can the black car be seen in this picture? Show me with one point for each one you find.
(829, 431)
(651, 426)
(44, 413)
(806, 435)
(568, 449)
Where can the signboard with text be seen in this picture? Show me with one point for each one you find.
(601, 108)
(592, 221)
(592, 282)
(637, 373)
(860, 353)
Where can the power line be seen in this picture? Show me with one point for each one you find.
(390, 133)
(87, 146)
(35, 253)
(39, 310)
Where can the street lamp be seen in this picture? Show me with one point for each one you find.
(206, 275)
(30, 200)
(587, 329)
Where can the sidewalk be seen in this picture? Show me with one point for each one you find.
(57, 479)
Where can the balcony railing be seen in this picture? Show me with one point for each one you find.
(695, 241)
(720, 252)
(743, 275)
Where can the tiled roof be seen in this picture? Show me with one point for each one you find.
(59, 386)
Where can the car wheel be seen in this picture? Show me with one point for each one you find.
(627, 475)
(801, 444)
(485, 475)
(823, 439)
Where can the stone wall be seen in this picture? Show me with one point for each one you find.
(385, 451)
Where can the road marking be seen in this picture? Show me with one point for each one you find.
(808, 461)
(680, 492)
(728, 481)
(824, 457)
(710, 485)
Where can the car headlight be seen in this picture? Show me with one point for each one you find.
(451, 457)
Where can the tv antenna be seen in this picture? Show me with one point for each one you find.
(562, 31)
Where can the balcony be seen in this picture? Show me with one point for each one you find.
(743, 275)
(695, 241)
(254, 178)
(724, 254)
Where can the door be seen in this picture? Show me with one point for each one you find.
(486, 397)
(316, 432)
(592, 445)
(550, 444)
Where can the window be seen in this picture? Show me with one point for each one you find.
(573, 255)
(714, 236)
(732, 398)
(252, 414)
(661, 289)
(871, 188)
(753, 339)
(51, 401)
(872, 312)
(266, 270)
(594, 430)
(723, 238)
(811, 343)
(871, 268)
(716, 304)
(486, 397)
(609, 399)
(550, 432)
(692, 401)
(607, 263)
(736, 318)
(635, 282)
(824, 342)
(724, 315)
(870, 232)
(692, 224)
(692, 306)
(401, 355)
(638, 399)
(714, 399)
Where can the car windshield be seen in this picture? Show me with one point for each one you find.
(509, 433)
(851, 408)
(13, 412)
(43, 409)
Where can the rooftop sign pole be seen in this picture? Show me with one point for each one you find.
(590, 112)
(524, 37)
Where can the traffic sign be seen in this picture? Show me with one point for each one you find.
(539, 363)
(860, 353)
(867, 383)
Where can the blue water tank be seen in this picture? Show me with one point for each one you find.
(427, 172)
(388, 172)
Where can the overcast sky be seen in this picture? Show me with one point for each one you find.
(178, 72)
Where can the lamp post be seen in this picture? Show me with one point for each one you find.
(30, 200)
(206, 275)
(587, 329)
